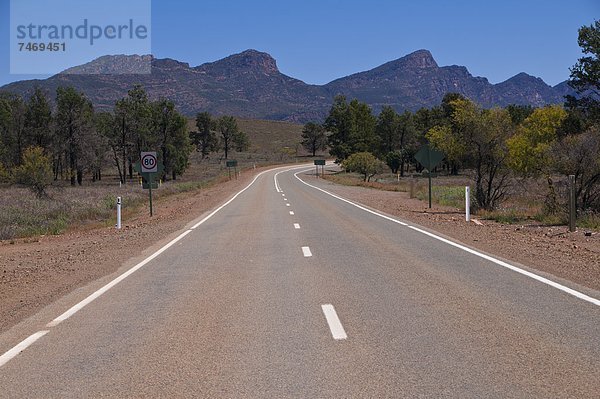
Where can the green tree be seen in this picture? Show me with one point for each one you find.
(228, 128)
(578, 155)
(518, 113)
(529, 148)
(38, 120)
(133, 116)
(452, 144)
(74, 126)
(362, 136)
(106, 125)
(170, 129)
(352, 128)
(12, 125)
(425, 119)
(241, 141)
(35, 172)
(386, 130)
(585, 74)
(393, 159)
(339, 124)
(481, 136)
(364, 163)
(447, 107)
(407, 138)
(205, 139)
(314, 138)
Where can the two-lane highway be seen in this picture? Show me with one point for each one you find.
(287, 291)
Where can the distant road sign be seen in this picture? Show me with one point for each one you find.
(231, 164)
(429, 157)
(149, 162)
(320, 162)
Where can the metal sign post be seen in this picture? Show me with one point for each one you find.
(231, 164)
(149, 168)
(429, 158)
(321, 163)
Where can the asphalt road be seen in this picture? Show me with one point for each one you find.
(290, 292)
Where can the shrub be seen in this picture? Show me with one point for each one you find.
(364, 163)
(35, 172)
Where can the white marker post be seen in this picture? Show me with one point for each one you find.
(467, 203)
(118, 212)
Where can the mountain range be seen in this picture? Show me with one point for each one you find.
(250, 85)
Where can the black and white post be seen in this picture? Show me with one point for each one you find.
(572, 204)
(468, 203)
(118, 212)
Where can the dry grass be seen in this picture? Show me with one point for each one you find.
(22, 214)
(523, 204)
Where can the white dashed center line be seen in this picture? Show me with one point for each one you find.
(306, 252)
(291, 212)
(287, 205)
(335, 325)
(296, 226)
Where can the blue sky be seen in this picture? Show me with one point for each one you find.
(321, 40)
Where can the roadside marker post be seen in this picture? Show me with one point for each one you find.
(118, 212)
(468, 203)
(572, 205)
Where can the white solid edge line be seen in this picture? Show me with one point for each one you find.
(287, 168)
(74, 309)
(21, 347)
(514, 268)
(275, 180)
(277, 188)
(306, 252)
(335, 325)
(534, 276)
(296, 226)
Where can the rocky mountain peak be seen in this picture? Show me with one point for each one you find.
(419, 59)
(249, 84)
(246, 61)
(114, 64)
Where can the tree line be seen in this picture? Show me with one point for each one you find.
(40, 143)
(498, 145)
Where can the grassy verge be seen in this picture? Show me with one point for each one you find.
(93, 204)
(444, 195)
(450, 191)
(353, 179)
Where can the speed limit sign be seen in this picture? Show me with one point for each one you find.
(149, 162)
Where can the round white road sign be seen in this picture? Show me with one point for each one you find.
(149, 162)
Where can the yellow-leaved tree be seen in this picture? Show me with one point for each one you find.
(530, 149)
